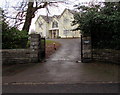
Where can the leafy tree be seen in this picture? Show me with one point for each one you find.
(101, 23)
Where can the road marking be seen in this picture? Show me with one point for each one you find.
(38, 83)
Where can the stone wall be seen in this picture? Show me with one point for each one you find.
(106, 55)
(12, 56)
(31, 55)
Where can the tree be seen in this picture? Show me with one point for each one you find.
(26, 11)
(31, 13)
(101, 23)
(12, 37)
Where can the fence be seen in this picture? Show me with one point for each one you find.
(34, 54)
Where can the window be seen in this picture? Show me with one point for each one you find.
(40, 24)
(66, 20)
(54, 24)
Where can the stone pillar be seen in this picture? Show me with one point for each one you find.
(86, 52)
(35, 47)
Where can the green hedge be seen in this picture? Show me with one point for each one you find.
(12, 38)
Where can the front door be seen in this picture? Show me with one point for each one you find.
(53, 34)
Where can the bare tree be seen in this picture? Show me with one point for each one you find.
(26, 11)
(31, 14)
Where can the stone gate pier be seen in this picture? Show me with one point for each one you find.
(86, 49)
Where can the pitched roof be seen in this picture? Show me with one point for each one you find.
(46, 18)
(55, 16)
(49, 18)
(71, 11)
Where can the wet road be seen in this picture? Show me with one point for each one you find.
(63, 88)
(62, 68)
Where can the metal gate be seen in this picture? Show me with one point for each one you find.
(42, 48)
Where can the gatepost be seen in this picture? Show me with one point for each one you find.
(86, 50)
(35, 47)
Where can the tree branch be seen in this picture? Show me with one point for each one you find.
(14, 18)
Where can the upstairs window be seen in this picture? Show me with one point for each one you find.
(55, 24)
(66, 20)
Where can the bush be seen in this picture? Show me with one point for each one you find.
(28, 44)
(13, 38)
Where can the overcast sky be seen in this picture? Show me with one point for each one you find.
(53, 10)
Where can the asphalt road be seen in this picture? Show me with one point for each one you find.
(62, 88)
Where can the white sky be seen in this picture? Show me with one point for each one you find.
(52, 10)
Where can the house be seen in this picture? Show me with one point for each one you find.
(57, 26)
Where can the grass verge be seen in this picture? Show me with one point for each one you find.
(50, 48)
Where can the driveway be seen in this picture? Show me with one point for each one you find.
(69, 51)
(62, 67)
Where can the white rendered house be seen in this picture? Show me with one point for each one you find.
(57, 26)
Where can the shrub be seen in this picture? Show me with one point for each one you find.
(102, 23)
(13, 38)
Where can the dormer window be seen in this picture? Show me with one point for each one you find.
(55, 24)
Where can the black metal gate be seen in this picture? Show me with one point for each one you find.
(42, 48)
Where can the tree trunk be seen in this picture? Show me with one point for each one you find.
(29, 16)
